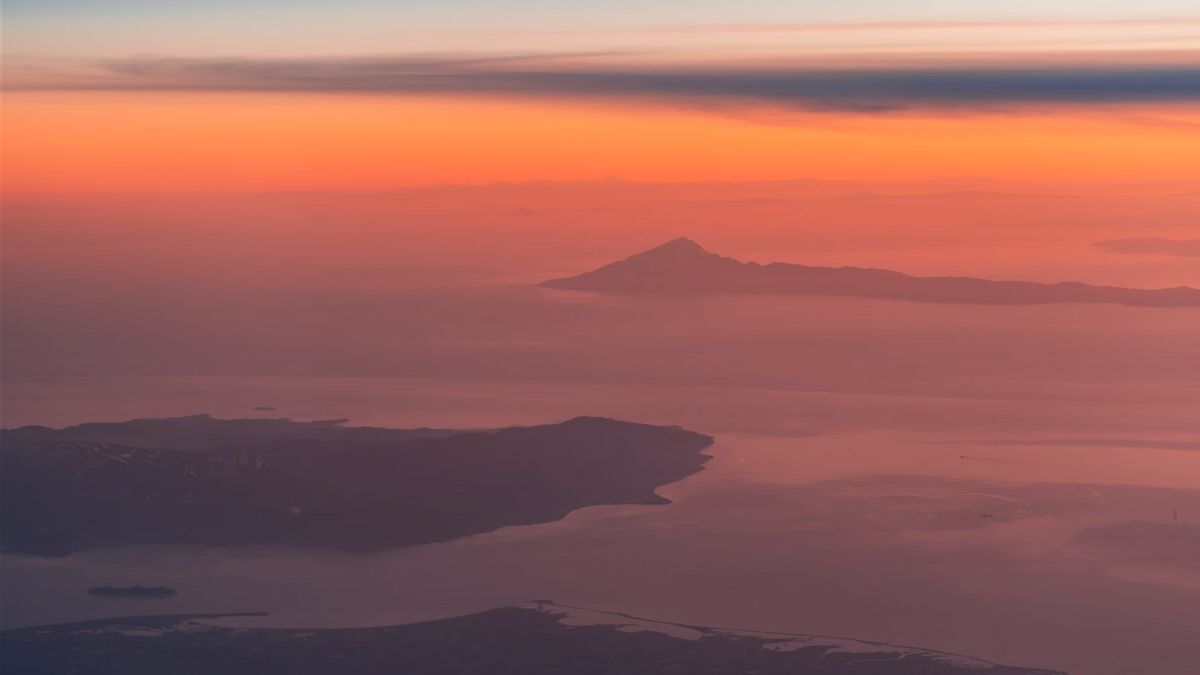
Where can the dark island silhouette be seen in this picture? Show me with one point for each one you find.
(159, 592)
(537, 638)
(683, 266)
(321, 484)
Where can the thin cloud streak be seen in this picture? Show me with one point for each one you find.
(850, 26)
(1183, 248)
(791, 85)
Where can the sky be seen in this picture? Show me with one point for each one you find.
(55, 28)
(134, 96)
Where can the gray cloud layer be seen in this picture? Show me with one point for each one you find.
(828, 88)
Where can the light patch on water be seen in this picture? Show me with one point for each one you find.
(581, 616)
(569, 615)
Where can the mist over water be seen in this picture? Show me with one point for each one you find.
(1021, 484)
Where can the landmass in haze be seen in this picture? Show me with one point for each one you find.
(208, 481)
(537, 638)
(683, 266)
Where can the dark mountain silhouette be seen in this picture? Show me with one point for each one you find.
(207, 481)
(683, 266)
(538, 638)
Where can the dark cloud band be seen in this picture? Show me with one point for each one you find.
(841, 88)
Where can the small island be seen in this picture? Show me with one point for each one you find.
(160, 592)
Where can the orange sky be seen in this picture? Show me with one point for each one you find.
(79, 142)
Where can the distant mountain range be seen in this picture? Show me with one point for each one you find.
(683, 266)
(537, 638)
(273, 481)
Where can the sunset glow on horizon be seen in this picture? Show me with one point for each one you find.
(223, 142)
(970, 113)
(388, 96)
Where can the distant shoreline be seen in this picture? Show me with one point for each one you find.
(536, 637)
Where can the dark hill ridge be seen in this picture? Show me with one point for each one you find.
(207, 481)
(205, 433)
(538, 638)
(683, 266)
(160, 592)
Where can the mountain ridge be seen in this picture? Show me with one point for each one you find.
(682, 266)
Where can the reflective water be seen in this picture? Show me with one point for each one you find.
(1018, 484)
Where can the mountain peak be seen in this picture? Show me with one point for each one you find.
(679, 245)
(683, 266)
